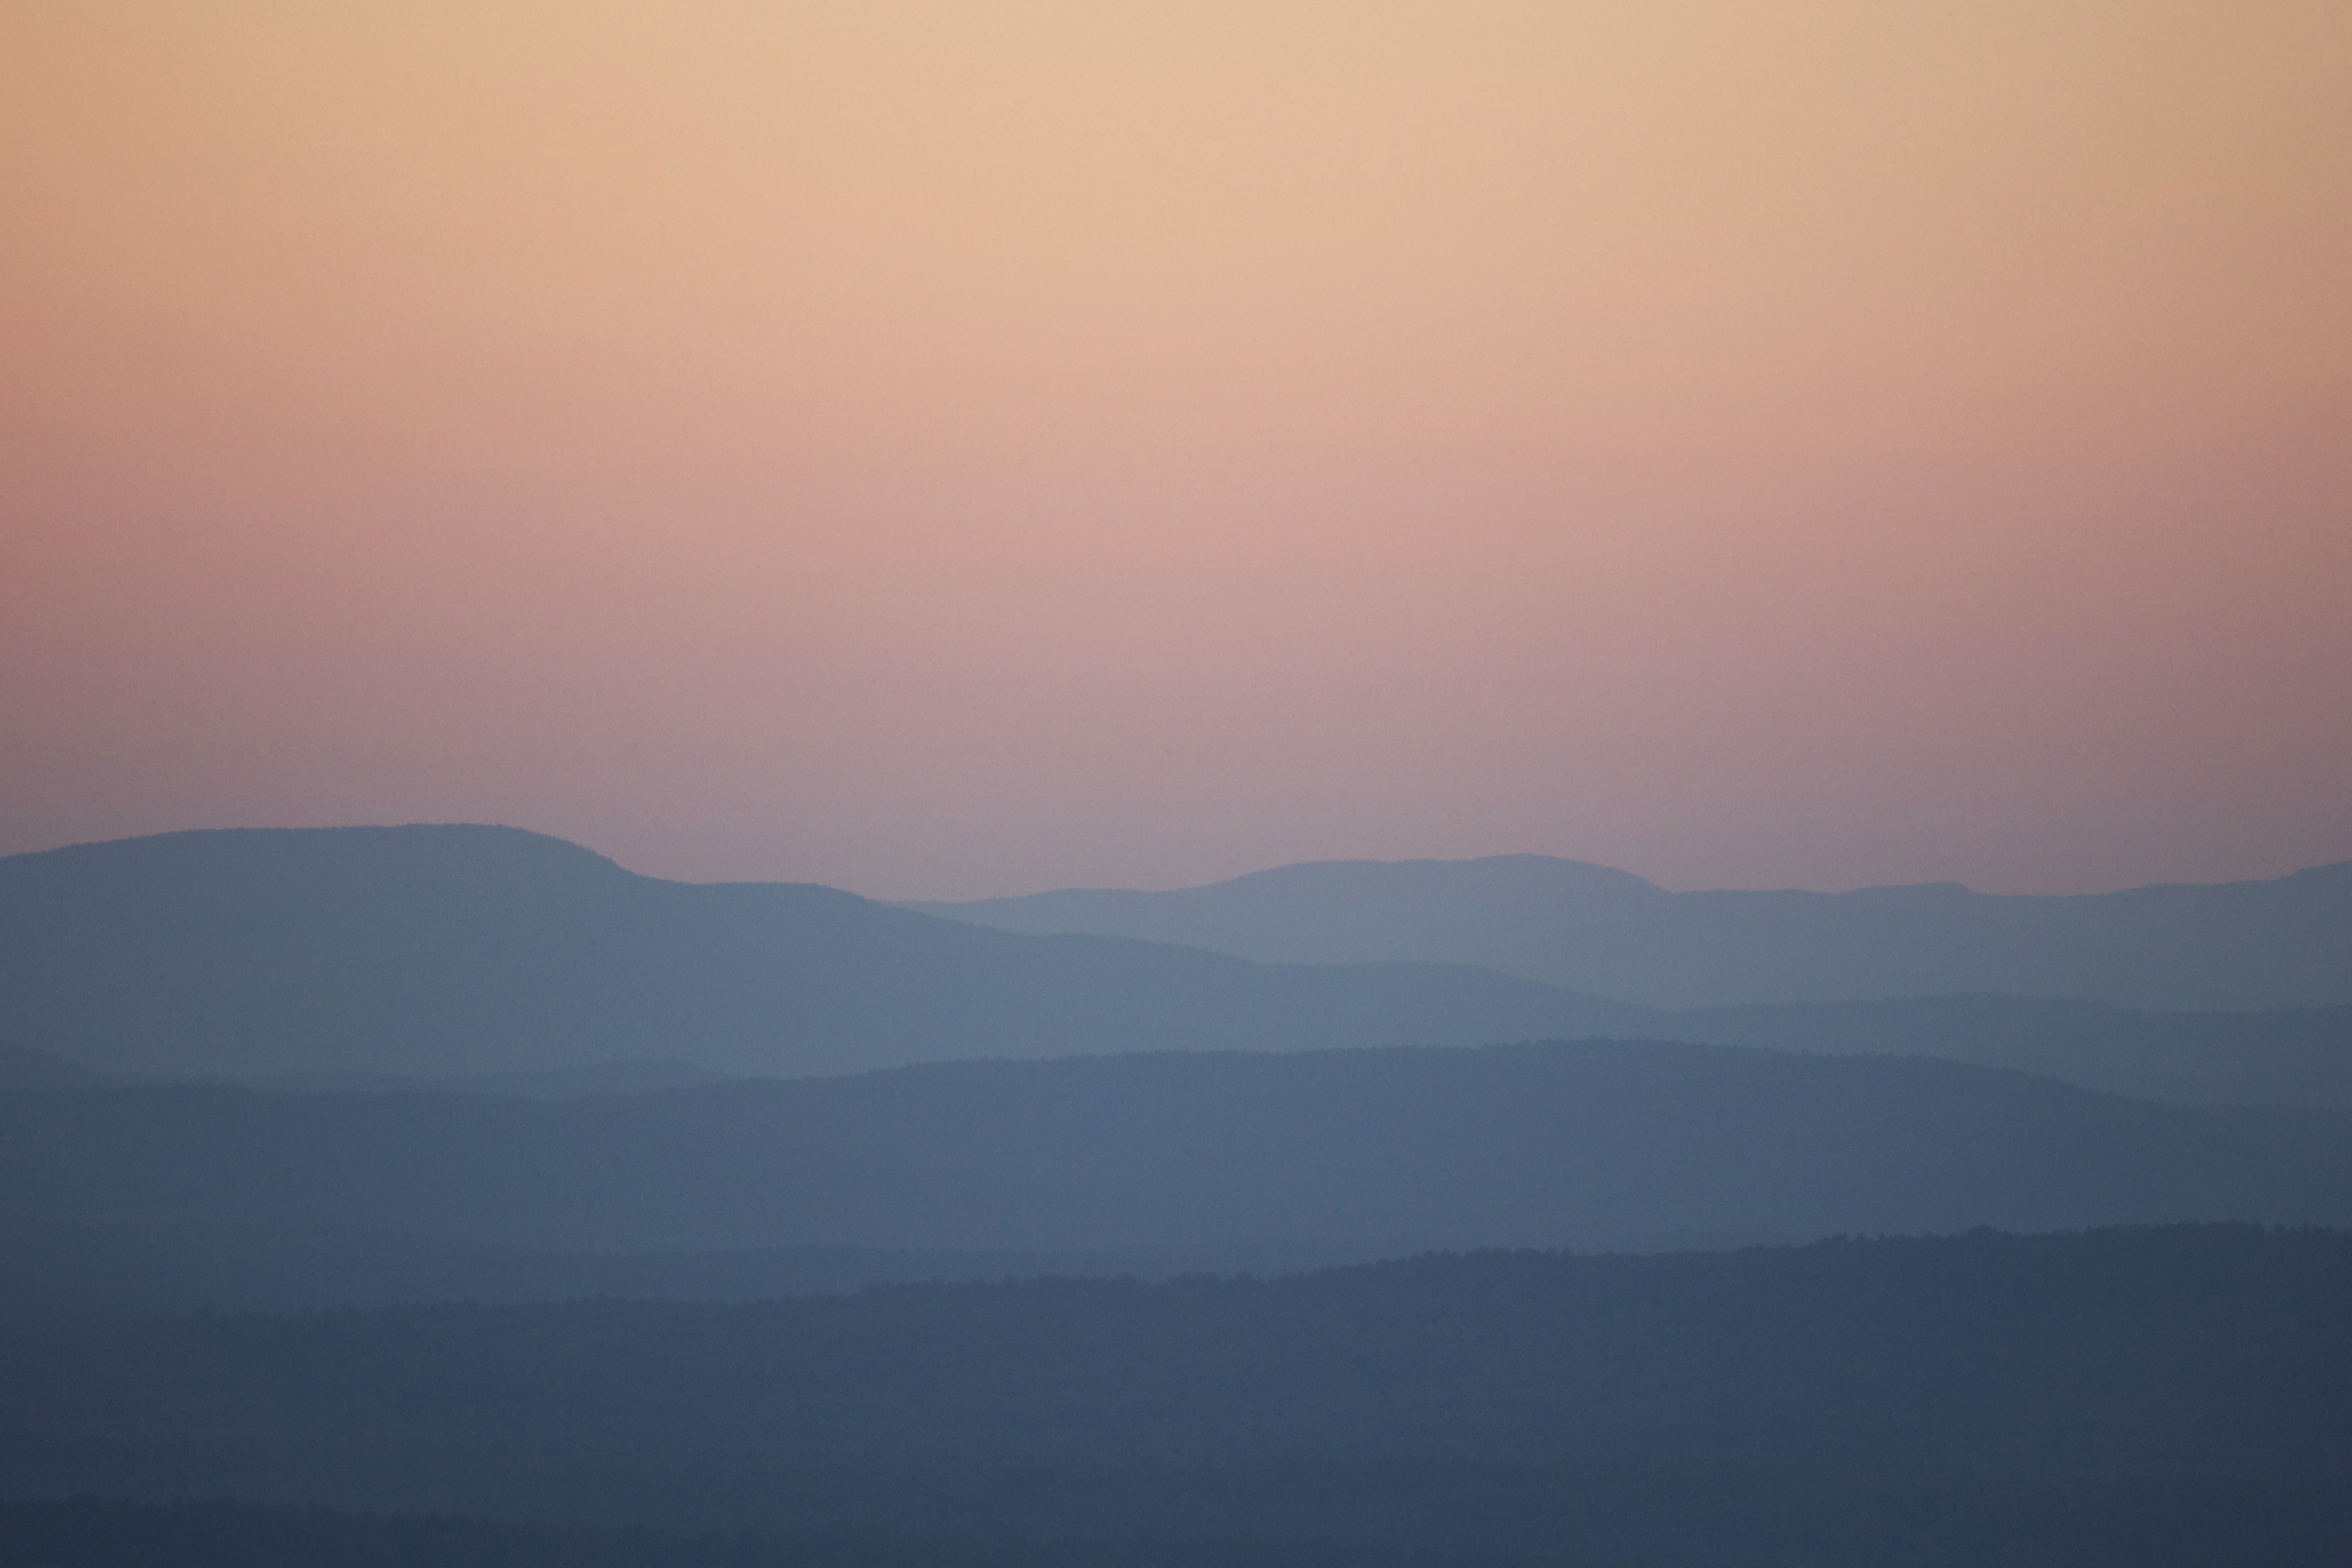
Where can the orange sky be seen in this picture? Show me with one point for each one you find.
(953, 449)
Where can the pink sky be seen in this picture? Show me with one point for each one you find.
(949, 449)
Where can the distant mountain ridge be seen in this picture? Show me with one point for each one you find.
(2286, 942)
(481, 950)
(1641, 1144)
(487, 960)
(2280, 1056)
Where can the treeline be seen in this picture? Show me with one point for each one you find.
(1886, 1397)
(112, 1532)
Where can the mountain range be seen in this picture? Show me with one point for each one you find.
(771, 1208)
(463, 950)
(2281, 943)
(493, 961)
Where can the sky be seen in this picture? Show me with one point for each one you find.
(952, 450)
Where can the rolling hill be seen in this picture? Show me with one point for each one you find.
(490, 961)
(2172, 1396)
(1640, 1144)
(461, 950)
(55, 1266)
(2280, 1056)
(2286, 943)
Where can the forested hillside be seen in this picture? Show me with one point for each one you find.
(1839, 1403)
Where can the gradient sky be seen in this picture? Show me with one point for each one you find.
(958, 449)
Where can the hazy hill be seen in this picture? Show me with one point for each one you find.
(52, 1265)
(478, 950)
(22, 1067)
(1598, 1143)
(2172, 1397)
(487, 960)
(2285, 1056)
(2247, 945)
(583, 1082)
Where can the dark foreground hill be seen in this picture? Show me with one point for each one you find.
(485, 950)
(2170, 1396)
(1642, 1144)
(2231, 946)
(99, 1532)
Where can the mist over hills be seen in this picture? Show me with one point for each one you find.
(468, 950)
(2281, 943)
(378, 1068)
(1598, 1143)
(2281, 1056)
(494, 961)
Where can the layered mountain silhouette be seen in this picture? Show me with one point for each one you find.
(1592, 1144)
(465, 1066)
(470, 950)
(487, 960)
(2237, 946)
